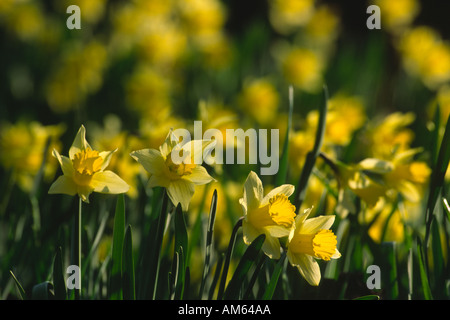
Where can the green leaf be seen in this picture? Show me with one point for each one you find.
(437, 180)
(268, 294)
(389, 267)
(179, 287)
(423, 274)
(128, 282)
(181, 236)
(228, 259)
(368, 297)
(22, 294)
(157, 244)
(117, 247)
(42, 291)
(58, 277)
(209, 239)
(249, 257)
(282, 172)
(312, 155)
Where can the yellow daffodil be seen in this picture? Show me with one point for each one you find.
(84, 171)
(311, 239)
(272, 215)
(179, 178)
(23, 145)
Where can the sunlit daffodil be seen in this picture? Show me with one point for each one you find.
(84, 171)
(312, 239)
(272, 214)
(178, 177)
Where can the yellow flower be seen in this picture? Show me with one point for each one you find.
(272, 215)
(303, 68)
(398, 14)
(260, 100)
(426, 55)
(345, 115)
(178, 177)
(311, 239)
(390, 135)
(23, 145)
(289, 15)
(84, 171)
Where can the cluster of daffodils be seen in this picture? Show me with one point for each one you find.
(274, 216)
(304, 240)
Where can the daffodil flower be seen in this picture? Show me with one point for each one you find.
(311, 239)
(272, 215)
(84, 171)
(174, 168)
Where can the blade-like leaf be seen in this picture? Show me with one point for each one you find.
(128, 283)
(209, 239)
(117, 248)
(58, 277)
(249, 257)
(282, 172)
(228, 259)
(423, 274)
(268, 294)
(22, 294)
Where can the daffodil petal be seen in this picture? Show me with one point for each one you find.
(181, 191)
(195, 148)
(278, 231)
(106, 156)
(309, 269)
(249, 232)
(158, 181)
(65, 163)
(151, 159)
(286, 189)
(79, 143)
(271, 247)
(170, 142)
(315, 224)
(199, 176)
(108, 182)
(63, 185)
(253, 191)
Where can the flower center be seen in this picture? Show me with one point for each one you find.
(321, 245)
(180, 169)
(85, 164)
(279, 211)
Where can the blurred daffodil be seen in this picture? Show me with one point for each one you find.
(287, 16)
(426, 55)
(178, 176)
(23, 148)
(84, 171)
(272, 214)
(303, 68)
(260, 100)
(398, 15)
(311, 239)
